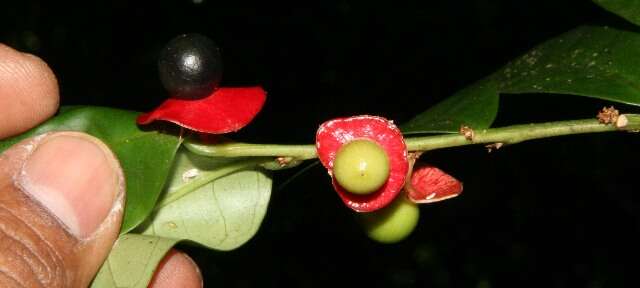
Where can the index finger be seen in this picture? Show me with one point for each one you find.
(28, 91)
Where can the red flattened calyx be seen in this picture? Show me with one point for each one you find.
(334, 133)
(227, 109)
(430, 184)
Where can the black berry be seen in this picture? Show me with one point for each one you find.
(190, 66)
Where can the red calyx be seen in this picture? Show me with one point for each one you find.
(430, 184)
(227, 109)
(334, 133)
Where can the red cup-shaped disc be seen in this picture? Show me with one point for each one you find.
(430, 184)
(227, 109)
(334, 133)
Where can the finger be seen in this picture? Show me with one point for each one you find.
(28, 91)
(176, 270)
(61, 201)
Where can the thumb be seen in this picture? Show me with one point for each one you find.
(61, 204)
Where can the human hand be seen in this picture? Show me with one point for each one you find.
(61, 194)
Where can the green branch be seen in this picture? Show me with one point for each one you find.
(504, 135)
(519, 133)
(235, 149)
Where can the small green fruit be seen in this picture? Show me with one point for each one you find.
(361, 166)
(392, 223)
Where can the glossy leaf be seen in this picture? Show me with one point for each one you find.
(132, 261)
(476, 106)
(222, 214)
(627, 9)
(596, 62)
(145, 156)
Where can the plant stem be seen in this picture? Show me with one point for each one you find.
(519, 133)
(235, 149)
(505, 135)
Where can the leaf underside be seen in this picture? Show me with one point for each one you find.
(132, 261)
(222, 214)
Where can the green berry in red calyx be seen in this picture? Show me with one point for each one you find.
(190, 66)
(393, 223)
(332, 135)
(361, 166)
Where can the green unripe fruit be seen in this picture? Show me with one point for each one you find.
(392, 223)
(361, 166)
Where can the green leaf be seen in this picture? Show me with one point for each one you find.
(627, 9)
(145, 156)
(475, 106)
(221, 214)
(596, 62)
(132, 261)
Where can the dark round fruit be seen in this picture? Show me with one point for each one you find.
(190, 66)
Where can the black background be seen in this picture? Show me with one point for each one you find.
(557, 212)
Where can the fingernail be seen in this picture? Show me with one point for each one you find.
(76, 177)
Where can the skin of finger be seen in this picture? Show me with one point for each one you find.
(28, 91)
(176, 269)
(37, 250)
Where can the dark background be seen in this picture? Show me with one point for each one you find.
(550, 213)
